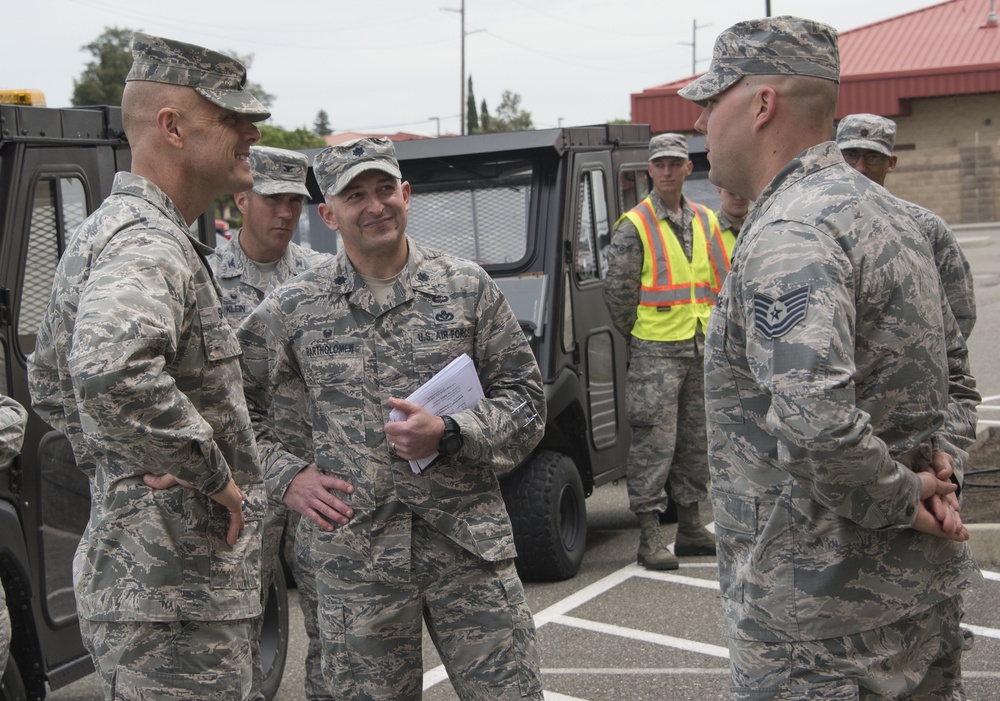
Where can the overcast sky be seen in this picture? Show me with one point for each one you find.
(394, 65)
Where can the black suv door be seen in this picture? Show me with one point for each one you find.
(48, 495)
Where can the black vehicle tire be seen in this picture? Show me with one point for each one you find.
(274, 637)
(548, 511)
(11, 685)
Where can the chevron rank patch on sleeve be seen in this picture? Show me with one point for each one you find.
(776, 317)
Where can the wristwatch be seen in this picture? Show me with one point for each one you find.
(452, 440)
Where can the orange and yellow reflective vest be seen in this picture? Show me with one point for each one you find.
(676, 295)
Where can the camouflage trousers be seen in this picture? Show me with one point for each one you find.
(305, 581)
(4, 630)
(282, 522)
(170, 661)
(475, 611)
(916, 659)
(665, 398)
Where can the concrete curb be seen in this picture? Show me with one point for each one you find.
(973, 241)
(984, 539)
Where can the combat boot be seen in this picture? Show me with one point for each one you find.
(692, 537)
(653, 552)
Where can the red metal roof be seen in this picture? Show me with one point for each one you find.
(944, 49)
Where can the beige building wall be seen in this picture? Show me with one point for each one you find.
(948, 152)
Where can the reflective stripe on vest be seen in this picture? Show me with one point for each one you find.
(722, 253)
(728, 244)
(675, 294)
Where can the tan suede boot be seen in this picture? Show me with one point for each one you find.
(692, 538)
(653, 552)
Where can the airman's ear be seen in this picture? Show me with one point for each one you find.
(328, 217)
(168, 124)
(765, 106)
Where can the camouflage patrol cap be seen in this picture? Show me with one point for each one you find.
(278, 171)
(336, 166)
(867, 131)
(769, 46)
(668, 145)
(218, 78)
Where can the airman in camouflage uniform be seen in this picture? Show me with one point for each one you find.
(258, 258)
(829, 360)
(136, 364)
(12, 420)
(355, 338)
(664, 392)
(731, 214)
(867, 141)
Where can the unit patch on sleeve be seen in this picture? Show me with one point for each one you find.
(775, 317)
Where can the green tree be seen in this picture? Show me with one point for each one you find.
(294, 139)
(509, 115)
(484, 118)
(103, 79)
(471, 118)
(322, 124)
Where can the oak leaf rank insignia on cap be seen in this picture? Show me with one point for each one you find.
(336, 166)
(868, 131)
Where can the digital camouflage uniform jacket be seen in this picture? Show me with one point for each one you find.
(324, 331)
(243, 287)
(136, 364)
(952, 266)
(12, 419)
(827, 376)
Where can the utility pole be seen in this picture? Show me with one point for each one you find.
(438, 120)
(694, 44)
(461, 112)
(461, 14)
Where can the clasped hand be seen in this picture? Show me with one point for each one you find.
(939, 512)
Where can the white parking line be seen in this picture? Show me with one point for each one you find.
(558, 613)
(553, 696)
(985, 632)
(644, 636)
(633, 672)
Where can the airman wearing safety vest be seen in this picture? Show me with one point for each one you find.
(666, 265)
(731, 215)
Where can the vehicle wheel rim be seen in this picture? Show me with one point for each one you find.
(569, 516)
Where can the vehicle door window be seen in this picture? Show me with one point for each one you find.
(633, 185)
(59, 207)
(593, 234)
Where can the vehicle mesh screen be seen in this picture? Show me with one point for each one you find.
(48, 209)
(481, 220)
